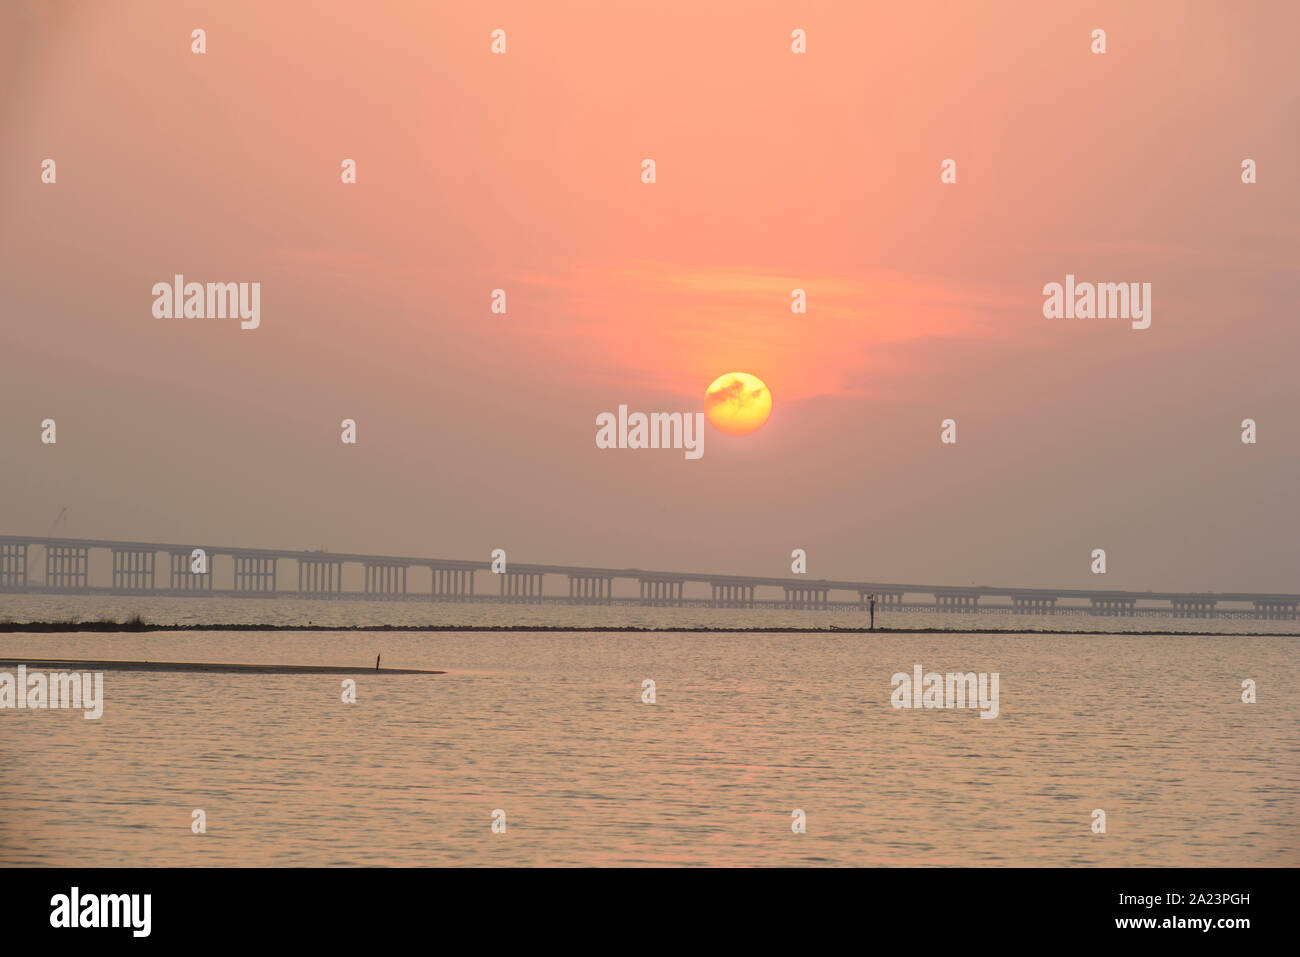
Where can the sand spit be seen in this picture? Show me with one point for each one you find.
(201, 667)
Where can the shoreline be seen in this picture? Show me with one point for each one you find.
(202, 667)
(137, 627)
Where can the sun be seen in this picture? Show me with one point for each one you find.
(737, 403)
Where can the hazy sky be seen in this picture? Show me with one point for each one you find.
(775, 171)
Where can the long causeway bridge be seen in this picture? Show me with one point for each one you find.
(201, 570)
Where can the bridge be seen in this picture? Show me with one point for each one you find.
(198, 569)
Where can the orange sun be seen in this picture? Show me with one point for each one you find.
(737, 403)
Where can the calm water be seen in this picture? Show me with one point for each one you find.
(551, 729)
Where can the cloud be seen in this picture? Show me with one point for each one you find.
(676, 327)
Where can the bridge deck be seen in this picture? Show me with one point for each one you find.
(252, 572)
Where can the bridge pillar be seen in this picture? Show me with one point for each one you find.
(182, 579)
(1275, 609)
(732, 595)
(799, 596)
(1114, 606)
(66, 566)
(660, 591)
(254, 574)
(13, 565)
(1193, 607)
(591, 589)
(323, 577)
(522, 586)
(1032, 605)
(885, 600)
(455, 584)
(956, 602)
(385, 578)
(133, 569)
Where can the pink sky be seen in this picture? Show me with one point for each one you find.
(775, 172)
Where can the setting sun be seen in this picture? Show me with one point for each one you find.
(737, 403)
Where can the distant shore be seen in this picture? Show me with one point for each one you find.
(135, 626)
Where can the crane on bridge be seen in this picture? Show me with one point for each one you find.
(53, 525)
